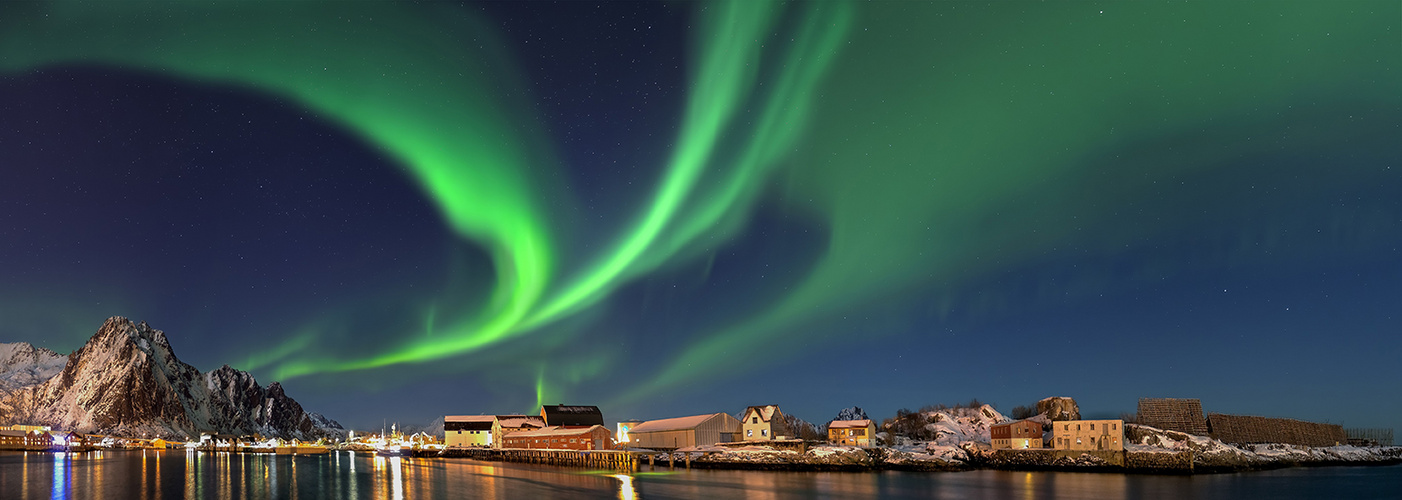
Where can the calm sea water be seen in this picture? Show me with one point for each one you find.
(178, 474)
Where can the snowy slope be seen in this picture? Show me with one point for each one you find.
(23, 365)
(126, 380)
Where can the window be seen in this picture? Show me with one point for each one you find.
(1078, 427)
(1092, 426)
(749, 432)
(1114, 427)
(764, 432)
(1078, 440)
(1066, 427)
(754, 420)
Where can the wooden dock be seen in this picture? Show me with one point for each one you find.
(596, 459)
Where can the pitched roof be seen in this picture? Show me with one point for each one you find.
(468, 422)
(1005, 424)
(766, 412)
(849, 424)
(519, 421)
(673, 424)
(469, 418)
(571, 415)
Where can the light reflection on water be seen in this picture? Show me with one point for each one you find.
(151, 474)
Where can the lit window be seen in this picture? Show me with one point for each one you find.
(764, 432)
(749, 432)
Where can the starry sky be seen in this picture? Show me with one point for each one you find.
(405, 210)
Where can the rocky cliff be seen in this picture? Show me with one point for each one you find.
(126, 380)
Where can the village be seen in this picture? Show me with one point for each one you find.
(1164, 435)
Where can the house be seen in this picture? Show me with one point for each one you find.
(1019, 435)
(505, 425)
(684, 432)
(12, 440)
(852, 432)
(1088, 435)
(571, 416)
(38, 440)
(468, 430)
(594, 437)
(763, 423)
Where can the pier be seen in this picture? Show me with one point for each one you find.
(597, 459)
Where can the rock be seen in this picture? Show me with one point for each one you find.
(1059, 408)
(126, 380)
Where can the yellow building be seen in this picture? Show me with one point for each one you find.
(1107, 435)
(852, 432)
(468, 430)
(763, 423)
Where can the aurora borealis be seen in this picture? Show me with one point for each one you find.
(652, 206)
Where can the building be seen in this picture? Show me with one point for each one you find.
(1098, 435)
(684, 432)
(852, 432)
(571, 416)
(468, 430)
(505, 425)
(1019, 435)
(27, 428)
(762, 423)
(594, 437)
(12, 440)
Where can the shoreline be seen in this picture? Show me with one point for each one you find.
(859, 460)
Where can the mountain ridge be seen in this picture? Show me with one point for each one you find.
(126, 380)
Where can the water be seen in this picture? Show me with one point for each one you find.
(179, 474)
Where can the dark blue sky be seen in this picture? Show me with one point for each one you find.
(997, 203)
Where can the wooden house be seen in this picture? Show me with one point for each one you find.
(1019, 435)
(763, 423)
(852, 432)
(594, 437)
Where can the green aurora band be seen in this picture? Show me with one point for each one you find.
(478, 174)
(937, 142)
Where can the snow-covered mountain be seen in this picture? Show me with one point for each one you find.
(126, 380)
(23, 365)
(853, 413)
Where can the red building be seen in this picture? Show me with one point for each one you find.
(1019, 435)
(594, 437)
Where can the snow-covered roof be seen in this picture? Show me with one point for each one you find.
(519, 421)
(1028, 420)
(469, 418)
(765, 412)
(849, 424)
(673, 424)
(555, 431)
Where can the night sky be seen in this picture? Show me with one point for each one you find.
(671, 208)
